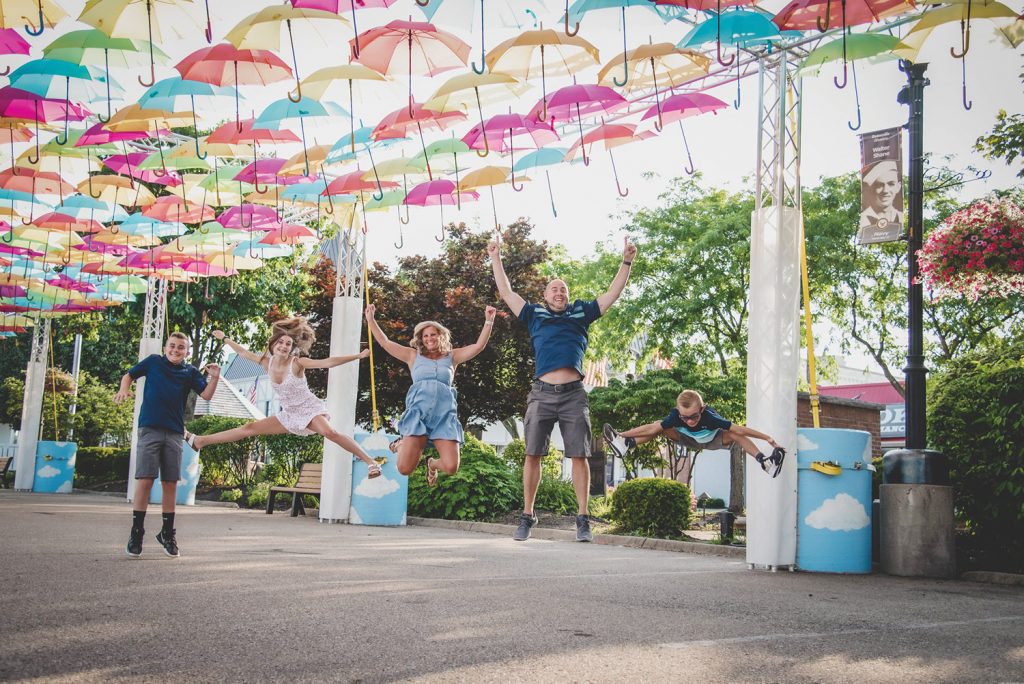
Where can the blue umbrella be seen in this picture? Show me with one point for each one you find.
(41, 77)
(165, 94)
(545, 156)
(306, 108)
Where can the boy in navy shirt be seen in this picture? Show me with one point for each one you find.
(698, 426)
(559, 334)
(162, 431)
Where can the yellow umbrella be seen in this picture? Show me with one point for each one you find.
(515, 56)
(657, 65)
(488, 176)
(317, 85)
(32, 15)
(110, 188)
(262, 30)
(296, 164)
(135, 118)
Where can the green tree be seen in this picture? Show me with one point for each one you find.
(452, 289)
(1006, 139)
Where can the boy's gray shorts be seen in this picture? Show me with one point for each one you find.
(159, 451)
(715, 443)
(566, 405)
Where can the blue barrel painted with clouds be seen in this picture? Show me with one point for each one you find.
(834, 511)
(55, 467)
(190, 470)
(382, 500)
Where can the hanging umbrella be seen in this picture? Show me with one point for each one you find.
(302, 109)
(802, 15)
(171, 208)
(546, 156)
(682, 106)
(1001, 16)
(317, 84)
(577, 101)
(263, 30)
(88, 46)
(508, 132)
(611, 135)
(26, 106)
(874, 47)
(581, 7)
(398, 123)
(338, 6)
(462, 13)
(110, 189)
(658, 65)
(32, 15)
(170, 94)
(135, 19)
(429, 50)
(438, 192)
(460, 92)
(515, 56)
(489, 176)
(11, 44)
(225, 65)
(248, 132)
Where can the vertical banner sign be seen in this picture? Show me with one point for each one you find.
(881, 186)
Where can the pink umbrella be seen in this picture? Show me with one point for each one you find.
(400, 122)
(12, 291)
(530, 133)
(173, 209)
(22, 104)
(127, 165)
(438, 192)
(66, 283)
(93, 245)
(12, 44)
(260, 217)
(288, 234)
(98, 135)
(77, 308)
(682, 106)
(266, 169)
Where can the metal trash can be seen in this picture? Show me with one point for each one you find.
(382, 500)
(55, 467)
(833, 500)
(190, 470)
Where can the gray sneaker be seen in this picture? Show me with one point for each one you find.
(583, 533)
(615, 441)
(526, 523)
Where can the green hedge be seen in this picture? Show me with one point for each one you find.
(483, 489)
(652, 506)
(102, 464)
(976, 418)
(556, 495)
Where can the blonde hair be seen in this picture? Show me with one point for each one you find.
(444, 337)
(178, 335)
(689, 399)
(298, 329)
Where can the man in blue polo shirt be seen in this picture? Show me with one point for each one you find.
(558, 333)
(161, 431)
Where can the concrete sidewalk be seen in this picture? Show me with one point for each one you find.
(271, 598)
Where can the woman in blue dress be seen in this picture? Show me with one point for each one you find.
(430, 407)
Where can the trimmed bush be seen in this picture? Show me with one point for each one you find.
(101, 464)
(231, 495)
(652, 506)
(484, 488)
(258, 494)
(550, 465)
(976, 418)
(555, 495)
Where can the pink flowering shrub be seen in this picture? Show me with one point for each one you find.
(976, 252)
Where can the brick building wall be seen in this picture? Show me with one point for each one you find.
(850, 414)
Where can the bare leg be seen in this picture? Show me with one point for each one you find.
(143, 485)
(169, 492)
(409, 452)
(531, 479)
(581, 483)
(264, 426)
(448, 450)
(322, 426)
(644, 433)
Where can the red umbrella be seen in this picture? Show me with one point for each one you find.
(398, 124)
(224, 65)
(612, 135)
(35, 182)
(57, 221)
(438, 192)
(430, 50)
(98, 135)
(172, 208)
(352, 183)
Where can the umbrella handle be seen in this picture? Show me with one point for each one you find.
(36, 159)
(31, 30)
(483, 130)
(422, 3)
(152, 63)
(835, 79)
(442, 238)
(963, 70)
(483, 45)
(689, 168)
(241, 217)
(567, 31)
(660, 123)
(739, 96)
(6, 71)
(512, 163)
(718, 38)
(209, 25)
(618, 186)
(823, 25)
(583, 145)
(401, 238)
(195, 125)
(551, 194)
(856, 94)
(295, 65)
(965, 36)
(625, 60)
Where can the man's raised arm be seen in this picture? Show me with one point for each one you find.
(513, 300)
(606, 300)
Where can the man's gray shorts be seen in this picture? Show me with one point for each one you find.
(686, 440)
(159, 451)
(566, 405)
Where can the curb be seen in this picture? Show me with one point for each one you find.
(568, 535)
(1008, 579)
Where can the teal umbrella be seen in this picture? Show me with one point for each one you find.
(167, 93)
(545, 156)
(52, 78)
(306, 108)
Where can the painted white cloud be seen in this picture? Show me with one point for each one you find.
(842, 513)
(803, 443)
(353, 516)
(47, 471)
(375, 440)
(193, 469)
(64, 488)
(376, 488)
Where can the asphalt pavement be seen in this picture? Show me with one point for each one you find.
(257, 598)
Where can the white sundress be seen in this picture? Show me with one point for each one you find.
(299, 406)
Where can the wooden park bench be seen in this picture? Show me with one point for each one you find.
(5, 465)
(309, 483)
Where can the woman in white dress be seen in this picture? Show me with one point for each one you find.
(302, 412)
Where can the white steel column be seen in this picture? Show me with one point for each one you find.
(32, 406)
(343, 381)
(150, 343)
(773, 347)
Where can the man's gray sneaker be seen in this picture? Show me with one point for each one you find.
(526, 523)
(583, 533)
(615, 441)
